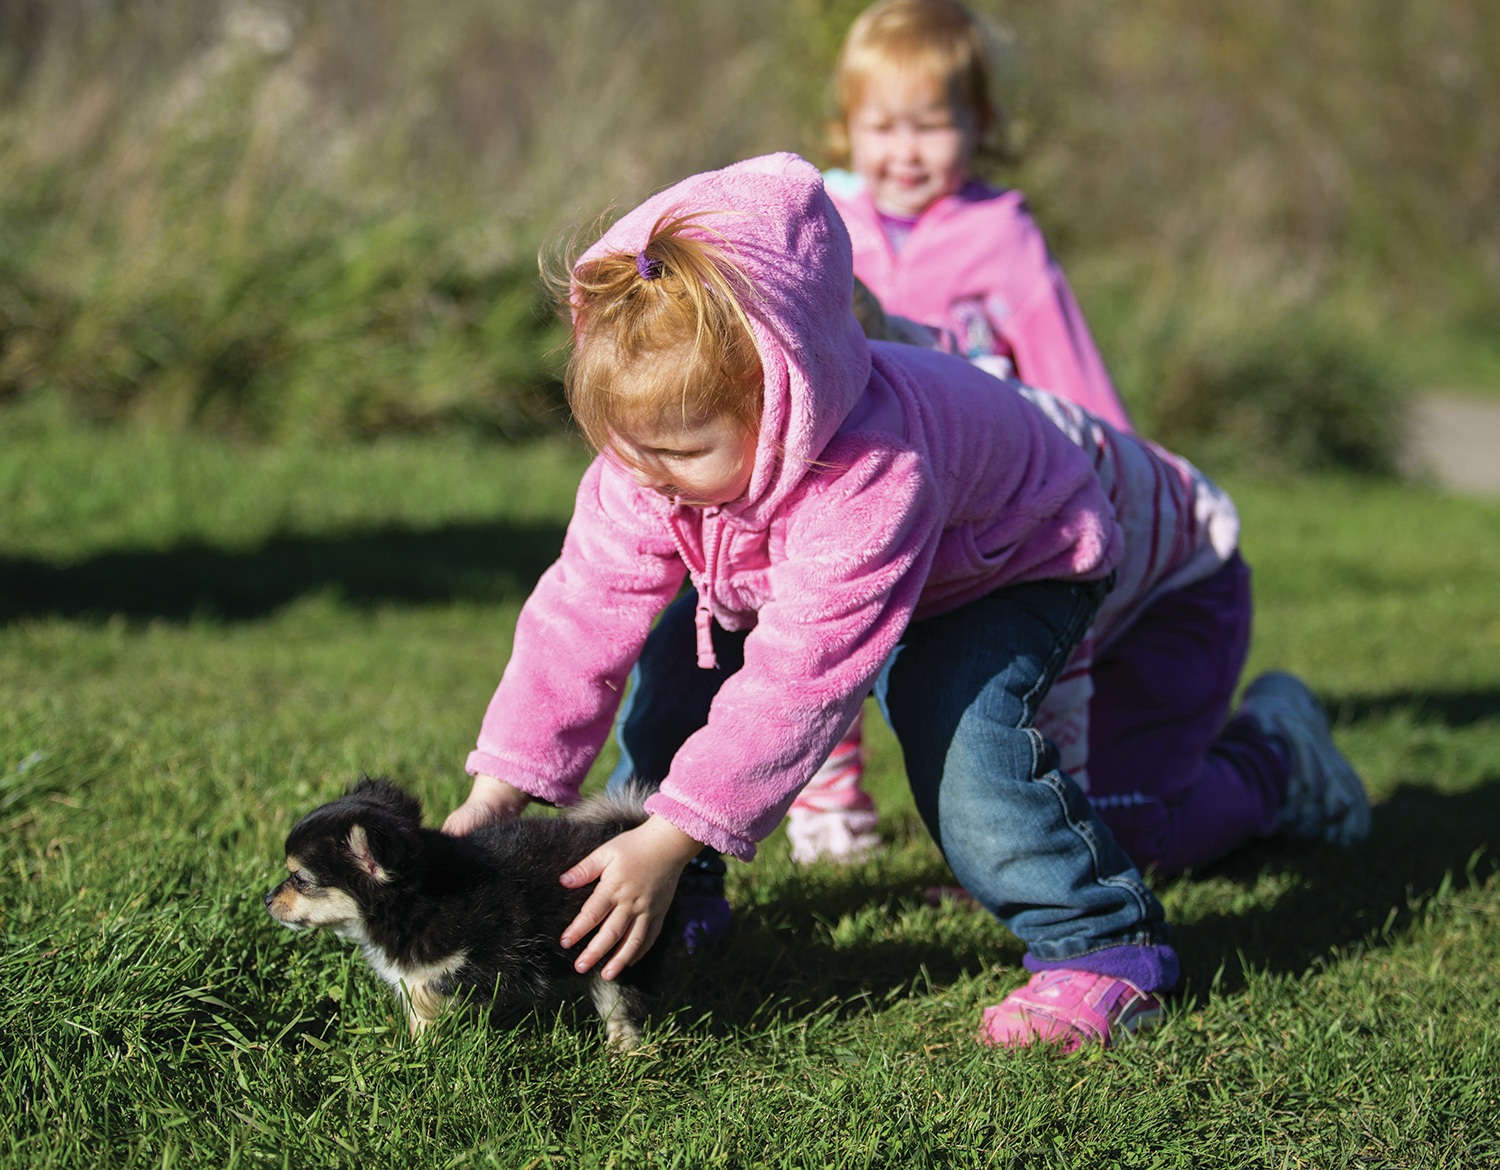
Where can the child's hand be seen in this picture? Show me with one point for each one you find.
(637, 874)
(489, 800)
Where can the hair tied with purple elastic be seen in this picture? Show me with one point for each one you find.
(648, 268)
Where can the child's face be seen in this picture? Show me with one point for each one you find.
(699, 465)
(910, 142)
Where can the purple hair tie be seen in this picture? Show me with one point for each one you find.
(648, 268)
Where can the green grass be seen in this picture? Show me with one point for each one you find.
(202, 641)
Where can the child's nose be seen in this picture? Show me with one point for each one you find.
(653, 479)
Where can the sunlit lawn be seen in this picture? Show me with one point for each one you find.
(200, 642)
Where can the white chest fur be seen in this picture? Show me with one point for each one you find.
(418, 984)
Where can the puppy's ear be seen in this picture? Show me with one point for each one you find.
(382, 849)
(368, 858)
(363, 856)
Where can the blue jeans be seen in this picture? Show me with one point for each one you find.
(961, 693)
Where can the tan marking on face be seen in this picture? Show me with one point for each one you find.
(317, 906)
(283, 903)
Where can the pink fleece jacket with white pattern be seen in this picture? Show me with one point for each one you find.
(890, 484)
(979, 251)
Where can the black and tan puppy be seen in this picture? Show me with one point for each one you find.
(474, 918)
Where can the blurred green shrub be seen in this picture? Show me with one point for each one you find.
(376, 326)
(292, 220)
(1293, 393)
(235, 276)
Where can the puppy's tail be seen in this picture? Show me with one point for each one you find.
(628, 806)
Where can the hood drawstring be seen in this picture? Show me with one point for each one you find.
(701, 618)
(702, 615)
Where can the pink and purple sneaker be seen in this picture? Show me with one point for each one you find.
(1069, 1009)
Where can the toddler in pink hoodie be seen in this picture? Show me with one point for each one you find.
(939, 247)
(848, 517)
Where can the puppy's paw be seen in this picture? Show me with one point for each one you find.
(621, 1031)
(621, 1035)
(425, 1006)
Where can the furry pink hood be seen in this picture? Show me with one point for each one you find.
(783, 230)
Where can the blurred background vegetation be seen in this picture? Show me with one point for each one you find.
(302, 222)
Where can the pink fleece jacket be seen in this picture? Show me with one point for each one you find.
(890, 484)
(979, 251)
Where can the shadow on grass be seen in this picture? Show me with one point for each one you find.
(1446, 708)
(1420, 839)
(782, 964)
(457, 562)
(767, 973)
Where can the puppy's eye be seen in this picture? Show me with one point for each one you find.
(301, 882)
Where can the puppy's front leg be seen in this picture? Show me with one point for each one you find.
(424, 1004)
(615, 1006)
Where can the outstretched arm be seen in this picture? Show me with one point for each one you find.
(637, 873)
(489, 800)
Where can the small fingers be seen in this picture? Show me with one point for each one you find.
(590, 915)
(653, 932)
(614, 928)
(643, 932)
(584, 872)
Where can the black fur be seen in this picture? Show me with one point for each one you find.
(420, 898)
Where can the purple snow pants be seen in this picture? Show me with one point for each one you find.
(1178, 786)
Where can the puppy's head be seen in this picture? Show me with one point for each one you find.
(346, 857)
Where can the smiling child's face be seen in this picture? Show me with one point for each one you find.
(699, 464)
(911, 142)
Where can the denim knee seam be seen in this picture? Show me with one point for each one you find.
(1084, 830)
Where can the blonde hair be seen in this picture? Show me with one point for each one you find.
(661, 336)
(939, 39)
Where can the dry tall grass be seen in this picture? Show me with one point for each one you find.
(201, 191)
